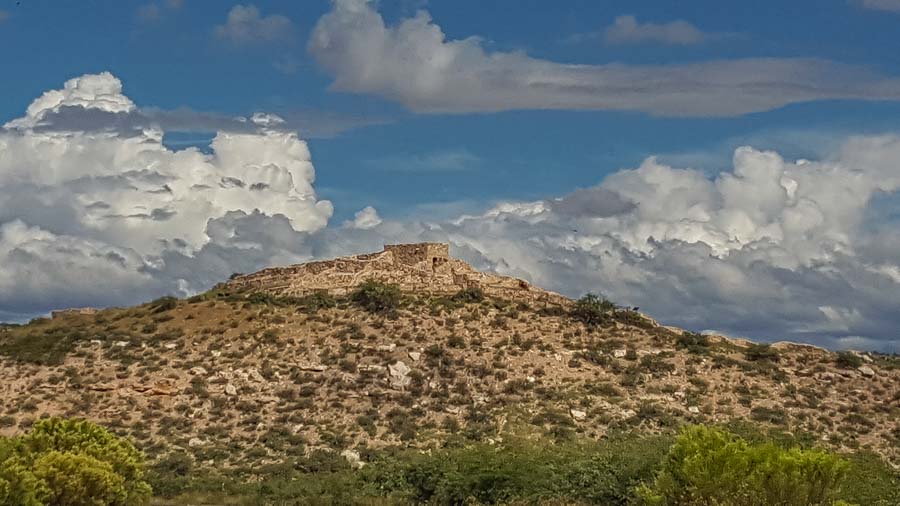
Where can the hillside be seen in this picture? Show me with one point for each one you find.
(279, 363)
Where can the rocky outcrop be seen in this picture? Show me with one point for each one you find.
(421, 268)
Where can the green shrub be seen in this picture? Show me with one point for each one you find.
(761, 353)
(592, 310)
(693, 342)
(164, 304)
(376, 297)
(848, 360)
(468, 296)
(711, 466)
(71, 462)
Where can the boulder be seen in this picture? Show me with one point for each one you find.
(353, 458)
(577, 414)
(866, 371)
(399, 375)
(230, 390)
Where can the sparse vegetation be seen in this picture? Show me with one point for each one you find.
(376, 297)
(848, 360)
(592, 310)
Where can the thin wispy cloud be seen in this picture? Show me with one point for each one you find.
(438, 161)
(879, 5)
(155, 11)
(246, 25)
(628, 30)
(414, 63)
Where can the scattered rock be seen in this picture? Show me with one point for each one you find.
(620, 353)
(230, 390)
(415, 356)
(693, 409)
(198, 371)
(120, 344)
(399, 375)
(353, 458)
(216, 353)
(170, 346)
(530, 379)
(679, 395)
(96, 342)
(195, 442)
(578, 414)
(866, 371)
(387, 347)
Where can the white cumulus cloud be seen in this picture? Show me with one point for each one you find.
(770, 248)
(73, 202)
(415, 64)
(246, 25)
(627, 30)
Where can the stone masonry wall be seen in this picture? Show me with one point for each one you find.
(421, 268)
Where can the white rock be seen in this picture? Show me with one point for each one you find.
(415, 356)
(620, 353)
(198, 371)
(578, 414)
(679, 395)
(399, 375)
(353, 458)
(120, 344)
(170, 346)
(693, 409)
(387, 347)
(216, 353)
(230, 390)
(96, 342)
(195, 442)
(866, 371)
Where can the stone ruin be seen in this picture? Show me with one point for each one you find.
(62, 313)
(421, 268)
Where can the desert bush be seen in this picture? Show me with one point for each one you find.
(711, 466)
(693, 343)
(376, 297)
(70, 462)
(468, 296)
(761, 353)
(163, 304)
(848, 360)
(592, 310)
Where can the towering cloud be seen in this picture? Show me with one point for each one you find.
(413, 63)
(96, 208)
(773, 248)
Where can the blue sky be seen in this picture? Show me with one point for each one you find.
(174, 60)
(583, 145)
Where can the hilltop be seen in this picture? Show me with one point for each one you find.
(409, 347)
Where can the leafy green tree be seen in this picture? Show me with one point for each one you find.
(708, 466)
(71, 463)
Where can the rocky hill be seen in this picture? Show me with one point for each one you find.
(409, 347)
